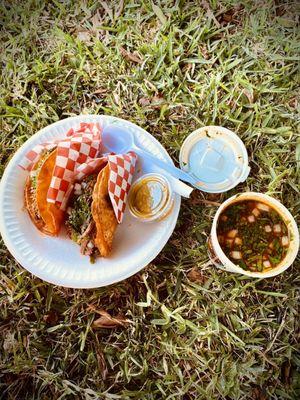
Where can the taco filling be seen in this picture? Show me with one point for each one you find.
(80, 224)
(91, 221)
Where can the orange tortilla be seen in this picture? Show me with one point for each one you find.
(30, 206)
(47, 217)
(52, 216)
(103, 214)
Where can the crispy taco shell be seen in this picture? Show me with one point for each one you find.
(47, 217)
(103, 214)
(31, 206)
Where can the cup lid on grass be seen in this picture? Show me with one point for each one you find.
(216, 157)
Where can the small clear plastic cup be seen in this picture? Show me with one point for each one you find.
(151, 198)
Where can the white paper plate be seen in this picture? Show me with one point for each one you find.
(58, 260)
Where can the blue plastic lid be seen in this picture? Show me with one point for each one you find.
(216, 157)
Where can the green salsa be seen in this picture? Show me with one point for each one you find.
(253, 235)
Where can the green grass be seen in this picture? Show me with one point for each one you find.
(195, 332)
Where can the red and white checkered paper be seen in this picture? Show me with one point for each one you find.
(122, 167)
(78, 156)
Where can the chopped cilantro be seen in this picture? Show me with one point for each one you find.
(81, 212)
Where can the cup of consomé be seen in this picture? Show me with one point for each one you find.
(253, 234)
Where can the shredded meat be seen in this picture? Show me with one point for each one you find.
(83, 245)
(89, 252)
(88, 230)
(69, 230)
(89, 234)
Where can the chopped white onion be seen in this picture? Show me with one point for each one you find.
(277, 228)
(237, 255)
(83, 184)
(33, 173)
(267, 264)
(90, 245)
(285, 241)
(262, 206)
(238, 241)
(251, 218)
(256, 212)
(77, 189)
(232, 233)
(268, 228)
(69, 210)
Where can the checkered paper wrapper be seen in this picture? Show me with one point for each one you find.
(78, 156)
(79, 146)
(122, 167)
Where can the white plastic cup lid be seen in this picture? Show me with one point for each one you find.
(215, 156)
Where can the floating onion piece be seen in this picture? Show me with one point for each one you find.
(256, 212)
(262, 207)
(237, 255)
(277, 228)
(267, 264)
(232, 233)
(238, 241)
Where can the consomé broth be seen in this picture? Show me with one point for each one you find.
(253, 235)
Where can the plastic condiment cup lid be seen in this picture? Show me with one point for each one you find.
(215, 156)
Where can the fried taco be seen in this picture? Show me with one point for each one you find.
(91, 221)
(47, 217)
